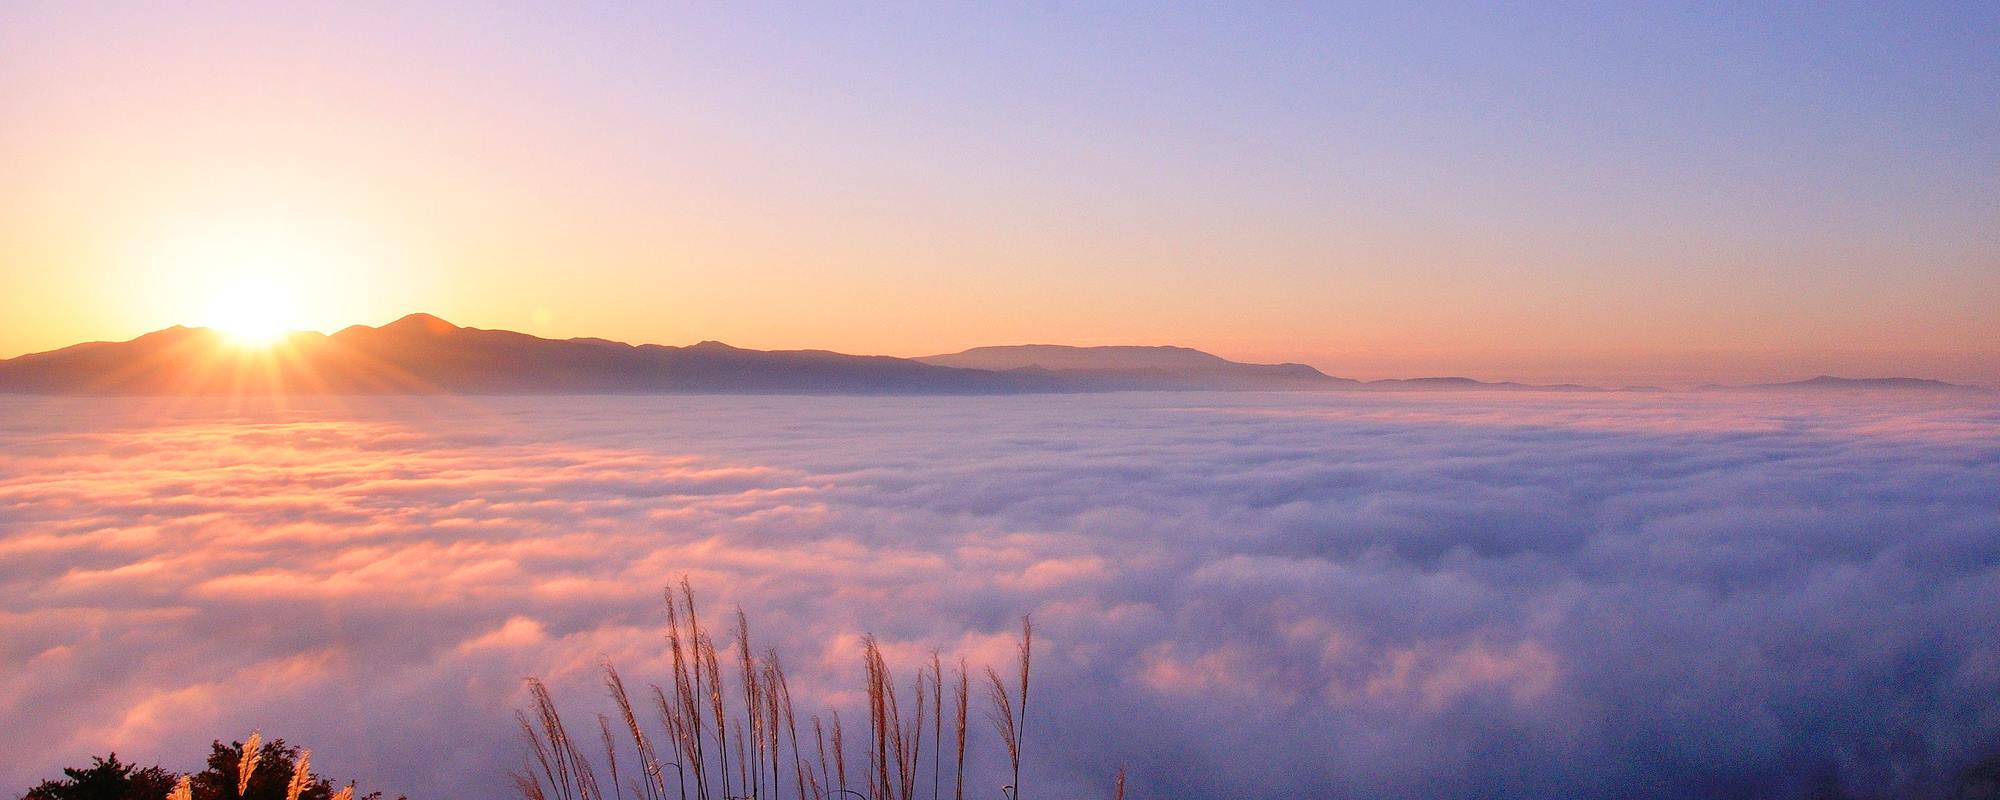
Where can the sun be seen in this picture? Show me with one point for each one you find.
(251, 312)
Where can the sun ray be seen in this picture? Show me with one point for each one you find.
(252, 313)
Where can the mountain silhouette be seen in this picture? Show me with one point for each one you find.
(1167, 367)
(1455, 384)
(1129, 367)
(422, 354)
(1830, 383)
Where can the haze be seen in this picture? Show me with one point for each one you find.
(1608, 195)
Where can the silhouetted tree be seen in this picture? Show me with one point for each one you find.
(268, 780)
(107, 778)
(110, 779)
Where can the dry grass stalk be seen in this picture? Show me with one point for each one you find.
(684, 719)
(937, 723)
(881, 695)
(525, 783)
(1004, 723)
(963, 694)
(677, 731)
(247, 764)
(301, 775)
(753, 707)
(839, 752)
(742, 762)
(610, 755)
(654, 787)
(705, 648)
(1027, 648)
(773, 720)
(916, 750)
(898, 747)
(539, 752)
(1118, 786)
(562, 762)
(548, 752)
(559, 770)
(345, 793)
(801, 771)
(1010, 719)
(823, 783)
(184, 790)
(706, 677)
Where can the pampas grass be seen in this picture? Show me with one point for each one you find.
(937, 723)
(247, 765)
(653, 786)
(561, 762)
(839, 752)
(1010, 719)
(1006, 725)
(610, 755)
(961, 693)
(301, 775)
(732, 735)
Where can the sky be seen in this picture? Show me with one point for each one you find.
(1612, 193)
(1331, 595)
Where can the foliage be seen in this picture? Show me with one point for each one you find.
(271, 767)
(269, 778)
(106, 778)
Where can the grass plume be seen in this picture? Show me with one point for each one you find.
(301, 775)
(1010, 718)
(961, 692)
(733, 732)
(247, 765)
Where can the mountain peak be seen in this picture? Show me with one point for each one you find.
(421, 322)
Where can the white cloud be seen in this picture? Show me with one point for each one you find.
(1383, 595)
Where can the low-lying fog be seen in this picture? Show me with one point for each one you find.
(1234, 594)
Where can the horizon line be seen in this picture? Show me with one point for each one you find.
(1711, 383)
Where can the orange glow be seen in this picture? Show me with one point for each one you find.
(251, 313)
(151, 156)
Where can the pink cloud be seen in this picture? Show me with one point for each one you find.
(1368, 592)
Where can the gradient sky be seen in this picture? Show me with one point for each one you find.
(1642, 193)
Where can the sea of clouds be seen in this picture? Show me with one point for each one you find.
(1301, 595)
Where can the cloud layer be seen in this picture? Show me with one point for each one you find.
(1391, 596)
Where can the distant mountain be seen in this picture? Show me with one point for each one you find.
(1470, 384)
(423, 354)
(1127, 367)
(1830, 383)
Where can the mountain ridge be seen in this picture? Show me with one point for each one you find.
(1137, 365)
(1833, 383)
(424, 354)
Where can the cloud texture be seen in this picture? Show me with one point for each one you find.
(1385, 596)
